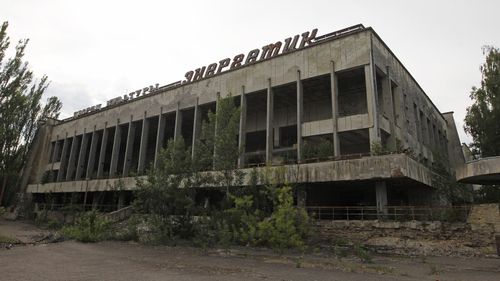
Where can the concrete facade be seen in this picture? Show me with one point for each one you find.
(348, 89)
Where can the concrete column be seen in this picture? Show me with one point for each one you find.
(81, 156)
(144, 145)
(389, 109)
(93, 149)
(128, 148)
(55, 152)
(242, 129)
(335, 109)
(72, 158)
(371, 97)
(102, 153)
(300, 115)
(160, 135)
(54, 155)
(215, 129)
(62, 166)
(178, 123)
(269, 123)
(196, 127)
(381, 197)
(116, 150)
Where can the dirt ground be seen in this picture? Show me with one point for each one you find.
(29, 256)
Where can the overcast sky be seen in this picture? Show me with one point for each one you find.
(93, 51)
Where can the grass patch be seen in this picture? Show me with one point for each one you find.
(7, 239)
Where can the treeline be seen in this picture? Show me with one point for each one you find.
(21, 110)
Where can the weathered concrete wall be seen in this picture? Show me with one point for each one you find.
(407, 94)
(38, 155)
(476, 237)
(481, 171)
(347, 52)
(374, 167)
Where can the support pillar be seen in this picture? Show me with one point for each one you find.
(81, 156)
(93, 149)
(72, 158)
(371, 97)
(178, 123)
(62, 166)
(300, 115)
(102, 153)
(242, 135)
(381, 197)
(55, 152)
(269, 123)
(217, 104)
(196, 127)
(335, 109)
(143, 146)
(159, 136)
(116, 150)
(128, 148)
(389, 109)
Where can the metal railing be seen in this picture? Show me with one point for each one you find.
(390, 213)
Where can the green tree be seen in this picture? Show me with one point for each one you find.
(20, 113)
(217, 149)
(167, 195)
(483, 116)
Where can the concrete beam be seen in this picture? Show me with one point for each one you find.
(93, 149)
(62, 167)
(144, 145)
(72, 158)
(242, 135)
(372, 169)
(178, 123)
(335, 109)
(128, 148)
(269, 123)
(371, 98)
(300, 115)
(81, 156)
(116, 150)
(160, 136)
(196, 126)
(102, 153)
(389, 109)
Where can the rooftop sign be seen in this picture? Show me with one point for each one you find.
(266, 52)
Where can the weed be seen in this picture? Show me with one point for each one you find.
(89, 227)
(362, 253)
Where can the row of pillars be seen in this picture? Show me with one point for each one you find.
(88, 167)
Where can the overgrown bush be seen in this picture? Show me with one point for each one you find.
(317, 148)
(287, 227)
(128, 230)
(377, 148)
(89, 227)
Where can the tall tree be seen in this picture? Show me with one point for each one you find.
(217, 149)
(20, 112)
(482, 120)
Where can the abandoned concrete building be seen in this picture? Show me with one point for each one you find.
(345, 88)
